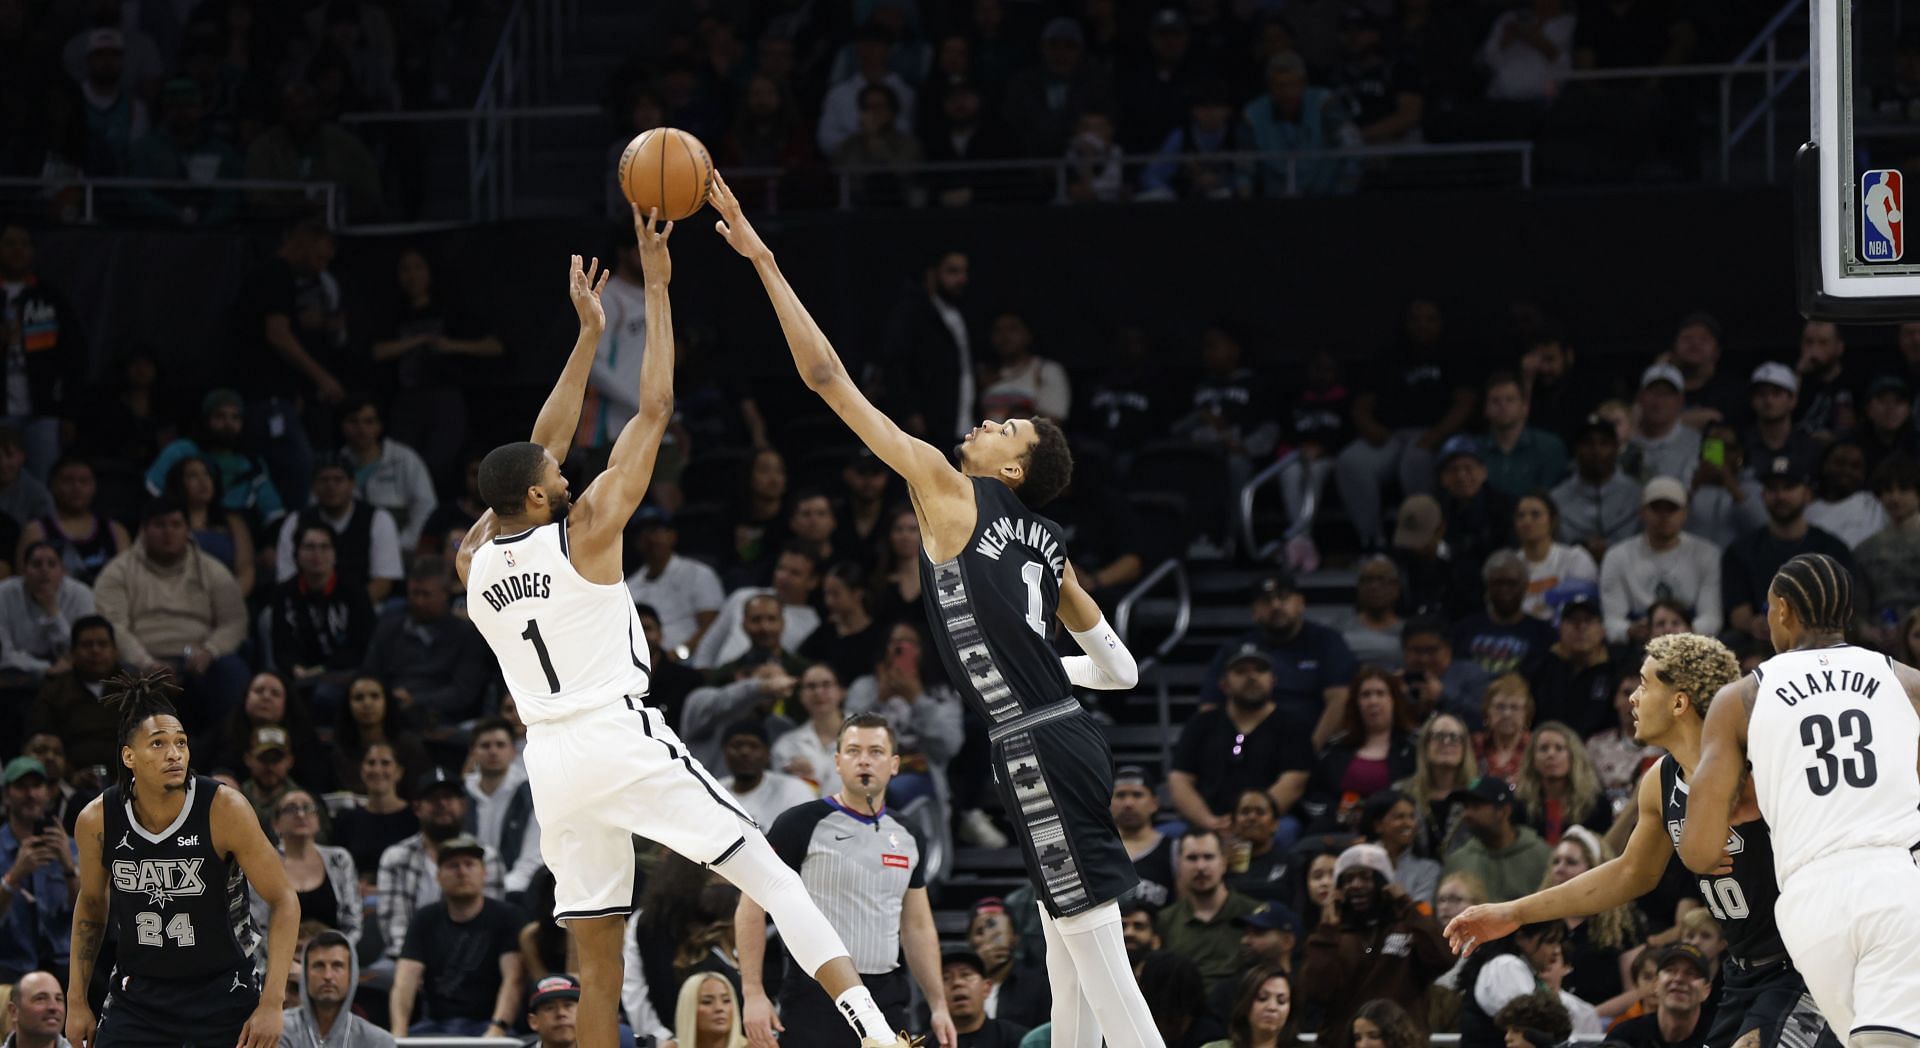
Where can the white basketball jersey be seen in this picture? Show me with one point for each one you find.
(565, 645)
(1833, 742)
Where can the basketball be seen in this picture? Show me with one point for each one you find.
(666, 168)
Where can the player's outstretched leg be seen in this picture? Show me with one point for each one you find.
(600, 940)
(1075, 1024)
(1102, 976)
(757, 871)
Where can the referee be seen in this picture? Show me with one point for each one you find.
(863, 868)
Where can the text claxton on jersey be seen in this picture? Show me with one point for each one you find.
(1853, 681)
(514, 587)
(995, 537)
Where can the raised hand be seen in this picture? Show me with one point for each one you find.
(584, 289)
(733, 225)
(654, 260)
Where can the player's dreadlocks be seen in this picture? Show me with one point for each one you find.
(137, 698)
(1819, 591)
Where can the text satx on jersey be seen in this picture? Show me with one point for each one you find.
(1001, 533)
(514, 587)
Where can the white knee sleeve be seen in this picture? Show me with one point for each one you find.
(1106, 997)
(757, 871)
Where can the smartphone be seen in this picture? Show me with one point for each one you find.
(1713, 451)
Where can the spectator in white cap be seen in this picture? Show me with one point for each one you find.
(1373, 942)
(1660, 445)
(1663, 561)
(1775, 397)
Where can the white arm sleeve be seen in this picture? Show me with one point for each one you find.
(1107, 664)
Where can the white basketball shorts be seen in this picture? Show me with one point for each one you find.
(1851, 920)
(600, 777)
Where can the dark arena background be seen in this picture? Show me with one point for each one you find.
(1422, 361)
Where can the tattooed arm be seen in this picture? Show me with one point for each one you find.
(89, 923)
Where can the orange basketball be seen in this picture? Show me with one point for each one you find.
(666, 168)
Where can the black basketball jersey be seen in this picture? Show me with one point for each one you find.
(1742, 901)
(179, 908)
(991, 607)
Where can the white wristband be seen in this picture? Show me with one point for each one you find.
(1107, 664)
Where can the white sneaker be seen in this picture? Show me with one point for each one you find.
(977, 829)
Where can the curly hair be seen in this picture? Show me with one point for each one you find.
(1583, 783)
(1540, 1011)
(1048, 466)
(1693, 665)
(1615, 929)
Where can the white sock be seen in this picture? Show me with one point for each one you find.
(866, 1018)
(1103, 980)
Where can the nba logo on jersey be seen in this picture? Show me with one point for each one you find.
(1881, 236)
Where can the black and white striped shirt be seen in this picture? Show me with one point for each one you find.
(858, 869)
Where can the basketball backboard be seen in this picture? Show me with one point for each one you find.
(1850, 180)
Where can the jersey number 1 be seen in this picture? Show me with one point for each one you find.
(540, 648)
(1031, 573)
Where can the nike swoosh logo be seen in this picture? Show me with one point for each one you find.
(843, 836)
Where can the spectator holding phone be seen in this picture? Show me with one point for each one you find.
(1725, 503)
(41, 863)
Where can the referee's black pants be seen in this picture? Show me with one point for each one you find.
(813, 1021)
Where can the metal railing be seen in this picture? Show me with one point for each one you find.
(1153, 662)
(1766, 40)
(91, 187)
(1248, 491)
(525, 66)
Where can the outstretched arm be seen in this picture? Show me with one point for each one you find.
(613, 498)
(924, 467)
(1716, 785)
(560, 415)
(1612, 883)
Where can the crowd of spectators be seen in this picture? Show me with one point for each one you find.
(1130, 96)
(217, 90)
(887, 86)
(1518, 529)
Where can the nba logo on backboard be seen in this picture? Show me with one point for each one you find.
(1881, 236)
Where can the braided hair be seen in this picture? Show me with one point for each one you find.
(137, 698)
(1818, 589)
